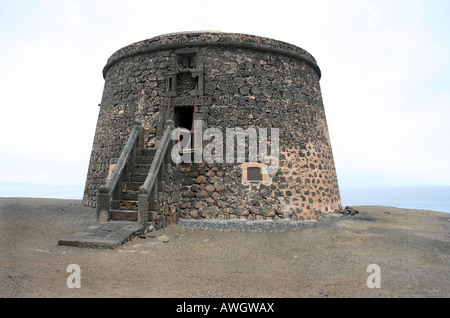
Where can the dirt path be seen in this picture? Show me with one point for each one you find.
(326, 259)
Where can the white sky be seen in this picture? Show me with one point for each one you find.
(385, 78)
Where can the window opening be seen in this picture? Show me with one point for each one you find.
(254, 174)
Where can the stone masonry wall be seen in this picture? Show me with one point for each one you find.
(134, 89)
(259, 89)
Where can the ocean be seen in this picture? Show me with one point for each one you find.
(436, 198)
(41, 191)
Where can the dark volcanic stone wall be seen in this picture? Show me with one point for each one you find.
(244, 81)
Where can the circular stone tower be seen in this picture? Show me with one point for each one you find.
(226, 82)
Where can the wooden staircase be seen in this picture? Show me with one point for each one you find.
(132, 191)
(126, 208)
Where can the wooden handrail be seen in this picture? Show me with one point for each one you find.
(106, 191)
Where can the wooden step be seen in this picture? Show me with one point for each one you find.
(131, 186)
(126, 205)
(137, 177)
(123, 215)
(140, 168)
(130, 215)
(144, 160)
(130, 195)
(147, 152)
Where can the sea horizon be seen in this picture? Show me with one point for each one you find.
(430, 197)
(435, 198)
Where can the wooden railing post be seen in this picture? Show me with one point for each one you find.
(142, 210)
(103, 204)
(154, 202)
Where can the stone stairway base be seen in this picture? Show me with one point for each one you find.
(103, 235)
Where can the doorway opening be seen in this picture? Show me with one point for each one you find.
(183, 117)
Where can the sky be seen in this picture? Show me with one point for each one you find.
(385, 78)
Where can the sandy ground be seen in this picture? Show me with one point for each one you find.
(328, 258)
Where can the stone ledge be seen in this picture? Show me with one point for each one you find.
(174, 41)
(108, 235)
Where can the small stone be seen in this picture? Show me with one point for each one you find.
(213, 209)
(193, 174)
(265, 83)
(220, 173)
(268, 211)
(41, 251)
(188, 194)
(194, 213)
(205, 214)
(244, 90)
(266, 92)
(252, 80)
(210, 174)
(242, 210)
(232, 89)
(163, 65)
(214, 180)
(209, 188)
(200, 179)
(221, 204)
(163, 238)
(215, 195)
(227, 180)
(287, 95)
(185, 205)
(256, 90)
(199, 205)
(202, 194)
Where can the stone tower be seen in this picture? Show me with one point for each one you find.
(224, 81)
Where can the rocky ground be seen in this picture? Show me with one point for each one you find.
(325, 258)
